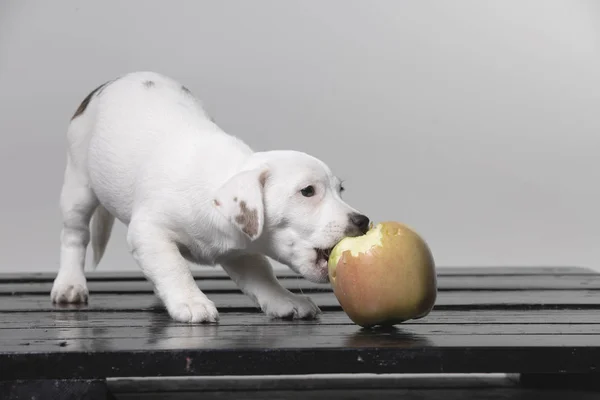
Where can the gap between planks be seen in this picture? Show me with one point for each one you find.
(217, 273)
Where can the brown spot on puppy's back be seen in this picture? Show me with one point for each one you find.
(149, 83)
(262, 179)
(248, 220)
(82, 107)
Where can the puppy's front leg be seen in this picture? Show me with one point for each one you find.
(254, 276)
(159, 258)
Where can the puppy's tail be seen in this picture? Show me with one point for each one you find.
(100, 227)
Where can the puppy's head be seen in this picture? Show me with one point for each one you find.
(288, 205)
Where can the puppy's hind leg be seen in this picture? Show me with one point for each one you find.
(254, 276)
(77, 203)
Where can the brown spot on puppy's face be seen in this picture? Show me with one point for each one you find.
(248, 220)
(149, 84)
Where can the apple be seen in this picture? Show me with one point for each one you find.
(384, 277)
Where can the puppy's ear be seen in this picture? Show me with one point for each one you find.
(240, 200)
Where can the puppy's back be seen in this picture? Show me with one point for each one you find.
(125, 127)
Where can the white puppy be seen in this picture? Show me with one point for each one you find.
(142, 149)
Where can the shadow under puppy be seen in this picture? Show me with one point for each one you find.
(142, 149)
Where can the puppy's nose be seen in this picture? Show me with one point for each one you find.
(360, 221)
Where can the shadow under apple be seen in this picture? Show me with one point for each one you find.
(387, 336)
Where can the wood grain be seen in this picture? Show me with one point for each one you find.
(508, 320)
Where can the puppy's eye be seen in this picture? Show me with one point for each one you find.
(308, 191)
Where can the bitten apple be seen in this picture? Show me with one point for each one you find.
(384, 277)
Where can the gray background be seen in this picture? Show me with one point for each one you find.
(477, 122)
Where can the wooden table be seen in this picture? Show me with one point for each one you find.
(540, 326)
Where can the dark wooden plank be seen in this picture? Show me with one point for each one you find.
(312, 382)
(445, 283)
(345, 387)
(268, 333)
(327, 301)
(101, 320)
(232, 335)
(334, 340)
(351, 350)
(385, 394)
(561, 381)
(218, 273)
(318, 383)
(54, 389)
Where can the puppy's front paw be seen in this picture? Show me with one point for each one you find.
(291, 306)
(194, 310)
(72, 292)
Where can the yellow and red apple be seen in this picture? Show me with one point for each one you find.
(384, 277)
